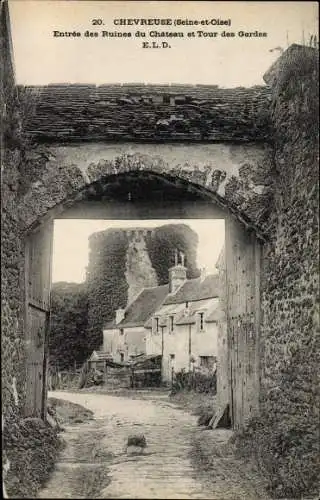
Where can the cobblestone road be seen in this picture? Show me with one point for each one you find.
(95, 465)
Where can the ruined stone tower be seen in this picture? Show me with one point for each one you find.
(139, 270)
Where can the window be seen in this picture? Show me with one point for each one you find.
(201, 322)
(121, 357)
(121, 331)
(171, 324)
(166, 99)
(156, 325)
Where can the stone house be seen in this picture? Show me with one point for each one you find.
(178, 321)
(124, 337)
(184, 329)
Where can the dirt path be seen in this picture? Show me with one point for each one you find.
(94, 464)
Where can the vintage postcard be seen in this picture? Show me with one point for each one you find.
(160, 246)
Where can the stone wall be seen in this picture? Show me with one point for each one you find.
(139, 271)
(287, 434)
(25, 464)
(12, 278)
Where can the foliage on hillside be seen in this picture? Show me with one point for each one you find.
(69, 318)
(106, 281)
(162, 245)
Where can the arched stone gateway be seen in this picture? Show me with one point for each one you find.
(207, 155)
(145, 186)
(235, 178)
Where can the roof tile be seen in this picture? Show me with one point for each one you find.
(139, 311)
(195, 289)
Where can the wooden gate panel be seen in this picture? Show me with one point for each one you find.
(243, 316)
(38, 283)
(35, 358)
(39, 267)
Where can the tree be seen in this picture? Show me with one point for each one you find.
(69, 321)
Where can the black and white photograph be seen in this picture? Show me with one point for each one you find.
(160, 249)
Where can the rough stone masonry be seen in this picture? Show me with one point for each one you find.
(254, 151)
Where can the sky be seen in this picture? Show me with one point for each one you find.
(71, 246)
(41, 58)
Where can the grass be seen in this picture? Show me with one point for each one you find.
(214, 460)
(32, 447)
(69, 413)
(90, 482)
(199, 404)
(154, 393)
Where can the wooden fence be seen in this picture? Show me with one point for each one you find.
(59, 379)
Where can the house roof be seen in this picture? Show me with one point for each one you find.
(100, 356)
(183, 316)
(195, 289)
(143, 358)
(188, 316)
(140, 310)
(213, 316)
(157, 299)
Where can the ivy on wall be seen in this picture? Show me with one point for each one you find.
(162, 244)
(106, 282)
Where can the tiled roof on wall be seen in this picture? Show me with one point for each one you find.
(66, 113)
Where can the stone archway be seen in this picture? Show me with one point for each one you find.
(57, 192)
(240, 186)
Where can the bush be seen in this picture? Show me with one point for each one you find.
(194, 381)
(286, 452)
(90, 377)
(31, 447)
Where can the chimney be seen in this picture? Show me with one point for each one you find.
(177, 273)
(119, 315)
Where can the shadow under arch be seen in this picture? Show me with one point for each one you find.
(128, 193)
